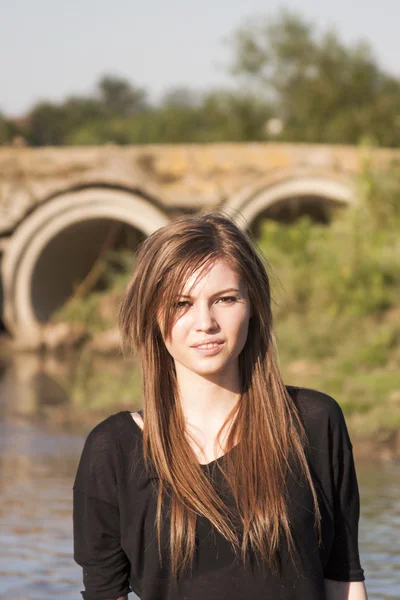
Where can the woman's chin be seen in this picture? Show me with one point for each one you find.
(212, 368)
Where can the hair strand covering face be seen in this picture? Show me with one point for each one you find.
(265, 420)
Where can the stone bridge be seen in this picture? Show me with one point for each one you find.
(59, 207)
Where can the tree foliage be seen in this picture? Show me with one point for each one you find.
(323, 90)
(7, 130)
(293, 84)
(118, 97)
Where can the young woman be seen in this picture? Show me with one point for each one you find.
(229, 485)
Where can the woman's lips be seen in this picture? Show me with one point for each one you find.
(209, 348)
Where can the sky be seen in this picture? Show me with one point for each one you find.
(51, 49)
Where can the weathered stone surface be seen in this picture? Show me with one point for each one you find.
(175, 175)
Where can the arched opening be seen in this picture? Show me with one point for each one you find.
(288, 211)
(287, 199)
(57, 246)
(75, 257)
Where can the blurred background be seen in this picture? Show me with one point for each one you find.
(115, 118)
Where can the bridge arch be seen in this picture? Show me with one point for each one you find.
(263, 195)
(57, 244)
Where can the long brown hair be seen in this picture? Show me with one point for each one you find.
(265, 420)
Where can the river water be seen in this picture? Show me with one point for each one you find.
(37, 467)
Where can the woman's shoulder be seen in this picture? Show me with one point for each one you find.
(104, 452)
(111, 428)
(322, 418)
(315, 405)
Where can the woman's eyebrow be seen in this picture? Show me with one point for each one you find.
(215, 294)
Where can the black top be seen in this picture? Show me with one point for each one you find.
(115, 540)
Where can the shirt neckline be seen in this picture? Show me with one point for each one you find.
(203, 465)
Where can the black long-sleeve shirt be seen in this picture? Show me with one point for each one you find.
(115, 540)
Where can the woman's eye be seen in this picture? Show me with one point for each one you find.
(227, 299)
(182, 304)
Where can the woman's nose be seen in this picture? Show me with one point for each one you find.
(204, 318)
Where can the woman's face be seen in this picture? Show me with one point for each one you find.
(211, 321)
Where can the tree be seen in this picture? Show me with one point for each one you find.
(7, 130)
(47, 125)
(119, 97)
(51, 124)
(323, 90)
(234, 116)
(87, 119)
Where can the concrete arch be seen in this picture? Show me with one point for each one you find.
(63, 218)
(256, 198)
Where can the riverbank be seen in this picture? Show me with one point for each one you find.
(74, 393)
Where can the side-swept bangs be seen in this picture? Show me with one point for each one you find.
(174, 281)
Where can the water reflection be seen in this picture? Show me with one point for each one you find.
(380, 528)
(37, 465)
(36, 470)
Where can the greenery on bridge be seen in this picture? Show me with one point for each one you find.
(290, 83)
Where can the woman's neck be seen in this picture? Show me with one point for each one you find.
(207, 400)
